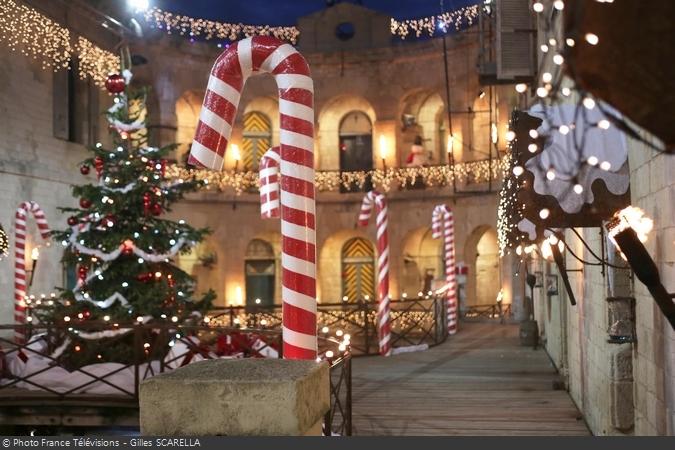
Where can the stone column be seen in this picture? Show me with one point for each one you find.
(237, 397)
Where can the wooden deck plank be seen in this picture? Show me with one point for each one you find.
(480, 382)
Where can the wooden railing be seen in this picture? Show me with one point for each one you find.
(488, 311)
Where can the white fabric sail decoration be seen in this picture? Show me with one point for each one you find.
(601, 154)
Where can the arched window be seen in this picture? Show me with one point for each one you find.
(358, 270)
(259, 268)
(257, 138)
(356, 146)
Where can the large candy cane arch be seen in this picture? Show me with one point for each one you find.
(442, 219)
(383, 303)
(20, 261)
(296, 167)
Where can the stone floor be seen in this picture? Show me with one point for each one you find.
(479, 382)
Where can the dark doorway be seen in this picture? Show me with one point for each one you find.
(260, 268)
(356, 148)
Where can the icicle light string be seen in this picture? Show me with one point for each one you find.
(36, 36)
(457, 19)
(208, 30)
(211, 29)
(475, 171)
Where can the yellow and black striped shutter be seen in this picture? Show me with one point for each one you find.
(358, 270)
(257, 138)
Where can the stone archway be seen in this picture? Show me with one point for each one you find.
(481, 255)
(422, 262)
(328, 129)
(188, 107)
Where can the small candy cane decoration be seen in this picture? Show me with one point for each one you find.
(383, 303)
(20, 261)
(296, 167)
(442, 217)
(269, 183)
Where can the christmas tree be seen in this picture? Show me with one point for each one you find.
(123, 250)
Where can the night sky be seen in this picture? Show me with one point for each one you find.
(286, 12)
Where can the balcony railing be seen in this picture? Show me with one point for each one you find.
(463, 173)
(414, 322)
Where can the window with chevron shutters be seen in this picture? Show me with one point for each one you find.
(257, 139)
(358, 270)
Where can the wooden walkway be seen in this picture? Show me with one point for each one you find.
(479, 382)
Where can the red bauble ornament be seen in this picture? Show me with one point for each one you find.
(156, 209)
(115, 83)
(85, 203)
(146, 203)
(145, 277)
(84, 169)
(128, 247)
(98, 164)
(82, 273)
(72, 221)
(109, 221)
(86, 313)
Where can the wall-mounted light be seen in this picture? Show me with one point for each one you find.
(239, 296)
(449, 147)
(383, 151)
(556, 250)
(138, 5)
(481, 94)
(34, 256)
(236, 155)
(628, 230)
(494, 134)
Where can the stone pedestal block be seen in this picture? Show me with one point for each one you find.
(237, 397)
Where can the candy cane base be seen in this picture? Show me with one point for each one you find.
(442, 223)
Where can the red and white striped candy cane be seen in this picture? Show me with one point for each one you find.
(296, 107)
(383, 304)
(269, 183)
(20, 261)
(442, 219)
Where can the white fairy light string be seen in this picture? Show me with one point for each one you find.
(465, 16)
(129, 246)
(211, 29)
(25, 30)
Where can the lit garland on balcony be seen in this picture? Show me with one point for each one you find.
(33, 34)
(211, 29)
(452, 19)
(326, 181)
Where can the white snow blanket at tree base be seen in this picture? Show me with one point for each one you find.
(48, 375)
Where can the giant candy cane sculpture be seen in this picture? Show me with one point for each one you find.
(20, 261)
(296, 106)
(382, 224)
(442, 218)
